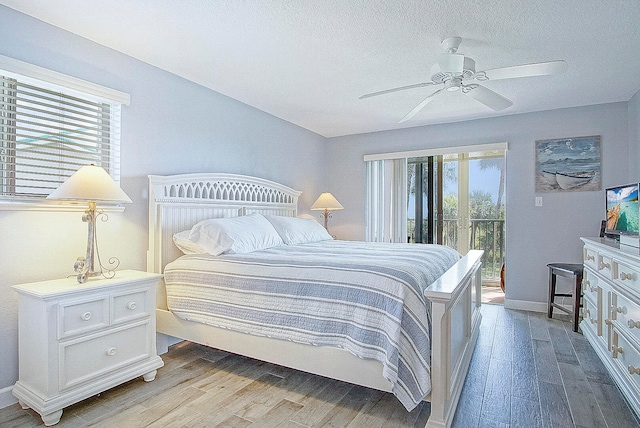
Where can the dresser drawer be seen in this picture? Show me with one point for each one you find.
(76, 317)
(604, 265)
(590, 287)
(627, 314)
(87, 359)
(130, 305)
(591, 317)
(590, 257)
(627, 357)
(626, 276)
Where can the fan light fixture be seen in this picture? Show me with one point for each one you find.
(91, 184)
(327, 202)
(457, 72)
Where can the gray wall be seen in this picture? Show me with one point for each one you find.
(634, 137)
(172, 126)
(535, 235)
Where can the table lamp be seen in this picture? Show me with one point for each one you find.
(91, 184)
(326, 202)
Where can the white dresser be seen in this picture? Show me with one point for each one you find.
(77, 340)
(611, 311)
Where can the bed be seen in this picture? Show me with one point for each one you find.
(176, 203)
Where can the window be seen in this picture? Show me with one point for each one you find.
(50, 126)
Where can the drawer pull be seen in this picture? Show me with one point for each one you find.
(633, 324)
(589, 257)
(86, 316)
(593, 289)
(621, 309)
(625, 276)
(615, 350)
(634, 370)
(593, 321)
(111, 351)
(604, 265)
(132, 305)
(607, 322)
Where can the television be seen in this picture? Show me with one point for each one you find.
(622, 210)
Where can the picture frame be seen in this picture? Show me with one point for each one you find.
(568, 164)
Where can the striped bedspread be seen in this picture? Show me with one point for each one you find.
(363, 297)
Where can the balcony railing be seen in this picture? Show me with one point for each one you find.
(487, 235)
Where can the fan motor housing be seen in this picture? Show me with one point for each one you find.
(468, 71)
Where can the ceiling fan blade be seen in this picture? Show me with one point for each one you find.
(526, 70)
(420, 106)
(487, 97)
(401, 88)
(451, 63)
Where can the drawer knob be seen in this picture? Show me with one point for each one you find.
(593, 289)
(589, 257)
(634, 370)
(604, 265)
(111, 351)
(621, 309)
(615, 350)
(132, 305)
(86, 316)
(607, 322)
(633, 324)
(625, 276)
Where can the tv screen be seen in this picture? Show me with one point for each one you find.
(622, 210)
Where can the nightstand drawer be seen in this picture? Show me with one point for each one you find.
(130, 305)
(87, 359)
(77, 317)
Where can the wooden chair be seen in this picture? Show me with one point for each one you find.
(570, 270)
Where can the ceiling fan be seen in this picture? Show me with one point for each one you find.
(456, 72)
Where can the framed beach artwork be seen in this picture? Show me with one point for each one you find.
(568, 164)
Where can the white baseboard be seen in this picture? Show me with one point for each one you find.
(525, 305)
(6, 397)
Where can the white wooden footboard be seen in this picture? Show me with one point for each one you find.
(455, 310)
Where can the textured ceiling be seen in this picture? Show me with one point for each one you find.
(308, 61)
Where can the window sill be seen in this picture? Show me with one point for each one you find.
(50, 206)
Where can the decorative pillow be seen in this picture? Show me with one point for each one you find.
(294, 230)
(235, 235)
(182, 241)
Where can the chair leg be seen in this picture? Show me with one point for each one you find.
(577, 294)
(552, 292)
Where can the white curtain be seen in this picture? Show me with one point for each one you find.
(386, 202)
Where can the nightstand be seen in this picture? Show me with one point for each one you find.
(77, 340)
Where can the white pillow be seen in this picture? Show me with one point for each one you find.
(235, 235)
(294, 230)
(182, 241)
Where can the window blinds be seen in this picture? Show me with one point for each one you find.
(48, 131)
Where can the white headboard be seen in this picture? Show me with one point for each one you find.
(177, 202)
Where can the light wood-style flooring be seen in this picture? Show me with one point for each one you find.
(527, 371)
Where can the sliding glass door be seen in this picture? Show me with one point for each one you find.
(457, 199)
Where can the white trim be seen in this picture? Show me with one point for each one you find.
(438, 151)
(6, 397)
(41, 205)
(525, 305)
(36, 72)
